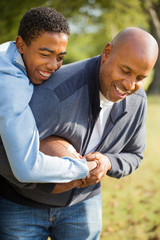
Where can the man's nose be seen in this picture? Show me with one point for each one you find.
(129, 83)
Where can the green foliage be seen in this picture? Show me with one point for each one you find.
(10, 15)
(106, 26)
(113, 17)
(93, 22)
(84, 46)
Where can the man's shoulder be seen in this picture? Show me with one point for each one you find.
(140, 95)
(80, 64)
(71, 74)
(141, 92)
(137, 100)
(76, 69)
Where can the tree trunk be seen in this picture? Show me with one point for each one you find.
(154, 13)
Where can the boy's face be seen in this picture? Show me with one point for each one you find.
(43, 56)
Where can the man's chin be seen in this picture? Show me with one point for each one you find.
(113, 99)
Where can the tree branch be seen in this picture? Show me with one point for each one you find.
(154, 18)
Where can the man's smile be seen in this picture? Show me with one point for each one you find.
(121, 93)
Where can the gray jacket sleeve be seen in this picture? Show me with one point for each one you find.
(129, 158)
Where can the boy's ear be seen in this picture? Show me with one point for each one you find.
(20, 44)
(107, 51)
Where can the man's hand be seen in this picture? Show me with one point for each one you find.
(62, 187)
(100, 171)
(98, 165)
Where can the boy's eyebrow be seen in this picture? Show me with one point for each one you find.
(52, 51)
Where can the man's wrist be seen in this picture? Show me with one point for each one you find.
(109, 166)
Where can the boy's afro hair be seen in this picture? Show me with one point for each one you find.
(42, 19)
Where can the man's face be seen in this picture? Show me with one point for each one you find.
(43, 56)
(122, 71)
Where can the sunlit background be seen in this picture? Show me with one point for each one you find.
(93, 23)
(131, 209)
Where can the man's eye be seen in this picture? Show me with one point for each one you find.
(124, 71)
(44, 55)
(139, 78)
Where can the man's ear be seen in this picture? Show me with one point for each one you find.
(20, 44)
(107, 51)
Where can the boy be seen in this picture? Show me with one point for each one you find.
(38, 52)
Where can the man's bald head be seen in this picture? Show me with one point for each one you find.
(138, 40)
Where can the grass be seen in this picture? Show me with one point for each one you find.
(131, 209)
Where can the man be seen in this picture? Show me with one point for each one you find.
(99, 106)
(38, 52)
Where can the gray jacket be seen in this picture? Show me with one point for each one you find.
(68, 105)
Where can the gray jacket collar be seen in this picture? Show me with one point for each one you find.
(118, 110)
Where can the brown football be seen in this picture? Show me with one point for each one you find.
(57, 146)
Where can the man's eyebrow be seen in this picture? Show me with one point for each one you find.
(126, 66)
(130, 69)
(51, 51)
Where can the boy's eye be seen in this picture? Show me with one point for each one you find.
(60, 58)
(44, 54)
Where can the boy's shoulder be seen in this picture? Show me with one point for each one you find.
(8, 51)
(10, 59)
(7, 46)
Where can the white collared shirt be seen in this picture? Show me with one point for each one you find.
(100, 124)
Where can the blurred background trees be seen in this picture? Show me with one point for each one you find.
(93, 23)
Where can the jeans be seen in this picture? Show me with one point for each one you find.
(82, 221)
